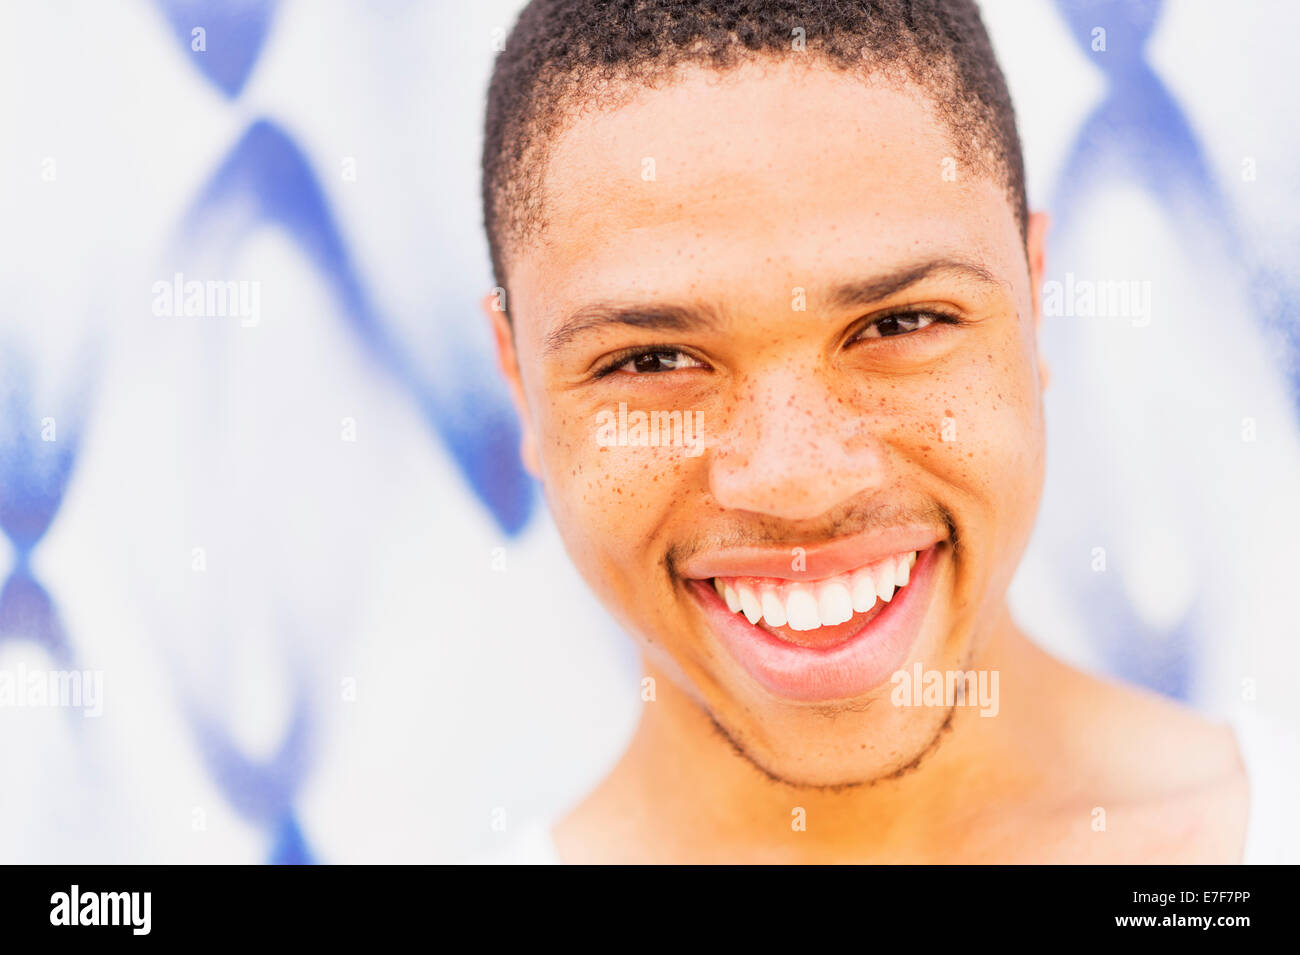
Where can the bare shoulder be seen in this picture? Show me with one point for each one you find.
(1162, 783)
(1152, 741)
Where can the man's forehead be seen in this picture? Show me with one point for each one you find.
(751, 134)
(787, 170)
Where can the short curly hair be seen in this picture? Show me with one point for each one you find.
(563, 53)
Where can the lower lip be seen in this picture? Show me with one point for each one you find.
(849, 669)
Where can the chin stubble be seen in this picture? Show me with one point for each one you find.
(924, 753)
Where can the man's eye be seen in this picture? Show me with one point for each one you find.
(891, 325)
(654, 361)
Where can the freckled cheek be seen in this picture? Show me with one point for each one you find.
(977, 426)
(612, 498)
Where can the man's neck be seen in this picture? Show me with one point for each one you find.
(684, 790)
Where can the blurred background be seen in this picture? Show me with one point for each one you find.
(284, 530)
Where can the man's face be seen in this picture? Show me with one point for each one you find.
(844, 317)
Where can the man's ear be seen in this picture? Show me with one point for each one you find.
(503, 334)
(1036, 251)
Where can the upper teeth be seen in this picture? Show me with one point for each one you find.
(817, 603)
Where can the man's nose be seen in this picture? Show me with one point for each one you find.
(794, 449)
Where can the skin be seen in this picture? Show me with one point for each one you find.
(767, 179)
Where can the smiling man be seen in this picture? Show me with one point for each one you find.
(801, 227)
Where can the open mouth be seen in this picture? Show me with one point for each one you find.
(835, 637)
(819, 613)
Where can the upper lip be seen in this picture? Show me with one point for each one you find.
(820, 560)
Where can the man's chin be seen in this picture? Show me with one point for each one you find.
(842, 760)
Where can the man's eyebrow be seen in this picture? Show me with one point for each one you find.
(681, 318)
(866, 292)
(663, 318)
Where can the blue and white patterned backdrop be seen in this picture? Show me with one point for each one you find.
(281, 535)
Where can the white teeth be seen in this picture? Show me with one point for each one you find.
(834, 605)
(750, 605)
(727, 594)
(824, 603)
(730, 596)
(864, 590)
(773, 609)
(801, 609)
(885, 580)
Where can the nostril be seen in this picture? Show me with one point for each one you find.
(794, 466)
(793, 492)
